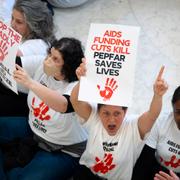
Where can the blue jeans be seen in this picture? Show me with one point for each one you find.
(46, 166)
(10, 128)
(13, 127)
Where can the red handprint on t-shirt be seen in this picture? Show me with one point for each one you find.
(40, 111)
(3, 51)
(174, 162)
(110, 87)
(105, 165)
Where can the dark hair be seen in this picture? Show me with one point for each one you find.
(100, 105)
(176, 95)
(72, 54)
(38, 18)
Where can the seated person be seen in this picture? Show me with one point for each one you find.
(33, 20)
(162, 149)
(60, 138)
(115, 140)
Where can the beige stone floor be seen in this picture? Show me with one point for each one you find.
(159, 42)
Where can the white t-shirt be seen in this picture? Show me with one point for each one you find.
(33, 47)
(112, 157)
(34, 52)
(165, 138)
(30, 64)
(55, 127)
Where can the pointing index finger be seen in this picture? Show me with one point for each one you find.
(159, 77)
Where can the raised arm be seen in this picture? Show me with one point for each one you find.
(147, 119)
(52, 98)
(83, 109)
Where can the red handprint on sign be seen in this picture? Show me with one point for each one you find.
(40, 111)
(110, 87)
(105, 165)
(3, 51)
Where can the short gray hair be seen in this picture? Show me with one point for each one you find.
(38, 17)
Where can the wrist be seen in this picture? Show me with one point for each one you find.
(158, 96)
(31, 84)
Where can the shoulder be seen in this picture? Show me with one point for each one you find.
(94, 117)
(33, 47)
(131, 118)
(130, 123)
(34, 41)
(69, 86)
(164, 120)
(162, 125)
(32, 63)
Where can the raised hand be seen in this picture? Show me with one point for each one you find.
(110, 87)
(164, 176)
(81, 70)
(160, 86)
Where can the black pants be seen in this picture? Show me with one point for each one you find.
(84, 173)
(12, 104)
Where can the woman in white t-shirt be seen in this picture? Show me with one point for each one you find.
(115, 140)
(60, 137)
(160, 157)
(34, 21)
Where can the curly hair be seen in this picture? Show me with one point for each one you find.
(72, 54)
(38, 18)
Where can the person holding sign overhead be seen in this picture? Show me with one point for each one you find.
(115, 140)
(162, 149)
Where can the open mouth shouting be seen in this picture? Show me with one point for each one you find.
(112, 129)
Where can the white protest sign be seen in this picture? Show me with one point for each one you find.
(9, 41)
(111, 58)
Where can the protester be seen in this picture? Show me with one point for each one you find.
(115, 140)
(162, 149)
(61, 139)
(33, 20)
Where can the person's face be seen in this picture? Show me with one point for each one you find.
(18, 23)
(176, 110)
(53, 64)
(111, 117)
